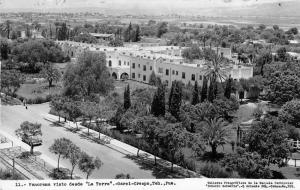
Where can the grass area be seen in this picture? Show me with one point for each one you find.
(31, 91)
(120, 86)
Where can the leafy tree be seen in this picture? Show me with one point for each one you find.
(149, 127)
(74, 155)
(290, 113)
(57, 103)
(127, 102)
(162, 29)
(30, 133)
(10, 81)
(88, 76)
(117, 42)
(85, 38)
(73, 110)
(282, 55)
(226, 107)
(171, 141)
(33, 52)
(248, 165)
(51, 74)
(89, 110)
(61, 148)
(88, 164)
(192, 53)
(196, 98)
(268, 138)
(204, 90)
(175, 99)
(283, 87)
(215, 133)
(158, 103)
(294, 30)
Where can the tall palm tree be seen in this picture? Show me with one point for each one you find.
(6, 28)
(215, 133)
(215, 70)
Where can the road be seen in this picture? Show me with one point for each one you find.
(114, 162)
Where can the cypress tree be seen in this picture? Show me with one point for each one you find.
(228, 88)
(158, 104)
(137, 36)
(175, 99)
(127, 102)
(195, 99)
(204, 90)
(211, 92)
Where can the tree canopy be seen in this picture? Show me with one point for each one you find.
(88, 76)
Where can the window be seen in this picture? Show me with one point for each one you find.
(193, 77)
(133, 65)
(183, 75)
(200, 77)
(177, 73)
(167, 72)
(124, 62)
(128, 63)
(139, 65)
(144, 77)
(144, 67)
(150, 68)
(173, 72)
(139, 75)
(120, 62)
(109, 63)
(133, 75)
(160, 70)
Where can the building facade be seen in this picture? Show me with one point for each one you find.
(137, 63)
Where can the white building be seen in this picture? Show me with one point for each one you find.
(137, 63)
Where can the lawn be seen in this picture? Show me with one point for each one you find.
(120, 86)
(31, 91)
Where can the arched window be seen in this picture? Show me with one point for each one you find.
(109, 63)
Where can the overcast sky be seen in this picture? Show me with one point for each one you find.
(131, 3)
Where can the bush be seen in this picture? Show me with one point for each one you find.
(59, 174)
(25, 155)
(213, 170)
(8, 175)
(39, 100)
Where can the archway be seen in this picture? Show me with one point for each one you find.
(114, 75)
(124, 76)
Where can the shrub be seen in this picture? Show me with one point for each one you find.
(39, 100)
(59, 174)
(25, 155)
(8, 175)
(214, 170)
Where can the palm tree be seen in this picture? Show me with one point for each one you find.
(215, 133)
(216, 69)
(6, 28)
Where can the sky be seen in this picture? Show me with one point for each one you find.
(131, 3)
